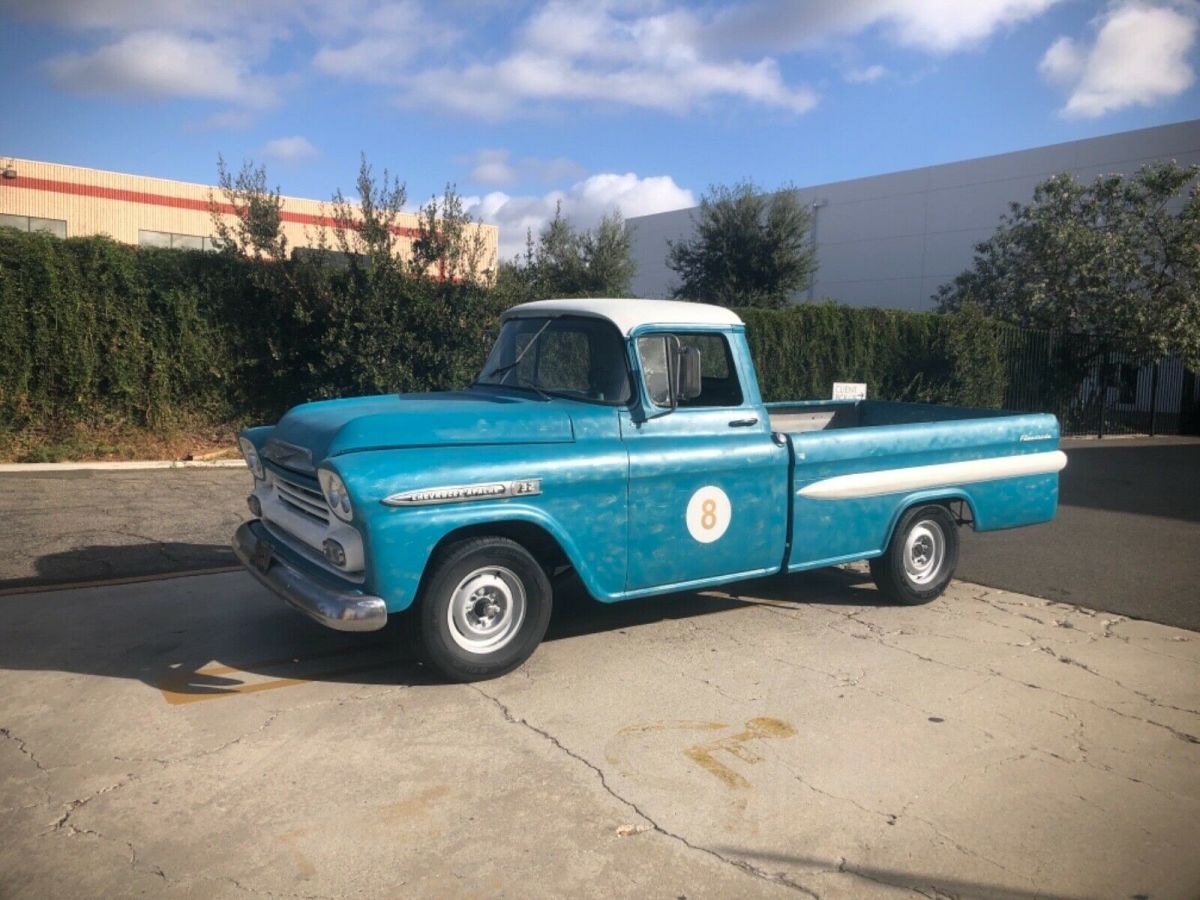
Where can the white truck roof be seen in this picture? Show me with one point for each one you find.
(628, 314)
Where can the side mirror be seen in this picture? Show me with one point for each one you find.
(687, 373)
(671, 371)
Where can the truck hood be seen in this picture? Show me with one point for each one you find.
(331, 427)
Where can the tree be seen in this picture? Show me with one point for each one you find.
(448, 244)
(569, 262)
(1118, 259)
(256, 229)
(367, 228)
(749, 248)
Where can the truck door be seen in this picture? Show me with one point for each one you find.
(708, 486)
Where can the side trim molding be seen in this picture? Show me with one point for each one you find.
(911, 478)
(458, 493)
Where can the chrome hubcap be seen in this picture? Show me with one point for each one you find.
(486, 610)
(924, 551)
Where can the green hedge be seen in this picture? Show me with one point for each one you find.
(95, 332)
(800, 351)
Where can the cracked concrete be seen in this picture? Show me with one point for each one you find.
(193, 737)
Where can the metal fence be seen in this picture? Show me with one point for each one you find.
(1098, 392)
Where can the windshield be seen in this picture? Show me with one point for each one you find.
(571, 357)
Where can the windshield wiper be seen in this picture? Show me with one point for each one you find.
(501, 370)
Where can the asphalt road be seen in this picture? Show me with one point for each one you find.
(1126, 539)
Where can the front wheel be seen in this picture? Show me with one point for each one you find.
(484, 609)
(921, 557)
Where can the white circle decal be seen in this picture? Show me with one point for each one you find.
(708, 514)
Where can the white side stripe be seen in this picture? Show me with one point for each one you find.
(893, 481)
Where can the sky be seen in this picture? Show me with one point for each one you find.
(599, 106)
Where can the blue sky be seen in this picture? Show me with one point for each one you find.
(637, 106)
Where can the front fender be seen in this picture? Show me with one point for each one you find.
(582, 505)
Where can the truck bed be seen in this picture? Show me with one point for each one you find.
(858, 464)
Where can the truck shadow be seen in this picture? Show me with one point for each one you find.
(106, 562)
(926, 884)
(221, 634)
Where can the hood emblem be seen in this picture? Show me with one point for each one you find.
(459, 493)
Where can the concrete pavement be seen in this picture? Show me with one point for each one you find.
(193, 737)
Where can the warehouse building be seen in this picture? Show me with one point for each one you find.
(69, 201)
(892, 240)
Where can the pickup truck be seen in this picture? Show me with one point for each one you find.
(625, 440)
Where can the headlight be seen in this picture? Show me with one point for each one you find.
(336, 495)
(251, 455)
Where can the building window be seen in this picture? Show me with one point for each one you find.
(176, 241)
(56, 227)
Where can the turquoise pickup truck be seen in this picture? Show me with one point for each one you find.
(624, 440)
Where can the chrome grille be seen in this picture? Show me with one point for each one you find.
(307, 501)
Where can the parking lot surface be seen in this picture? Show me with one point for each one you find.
(193, 737)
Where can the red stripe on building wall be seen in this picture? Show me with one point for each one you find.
(126, 196)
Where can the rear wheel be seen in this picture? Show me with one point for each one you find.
(921, 557)
(484, 609)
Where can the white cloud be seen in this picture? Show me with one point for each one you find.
(944, 26)
(492, 167)
(496, 167)
(292, 149)
(865, 75)
(605, 55)
(163, 64)
(936, 26)
(584, 203)
(385, 39)
(1063, 62)
(1140, 57)
(474, 59)
(211, 17)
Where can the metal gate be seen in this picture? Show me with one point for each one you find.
(1098, 392)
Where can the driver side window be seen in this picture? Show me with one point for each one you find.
(719, 384)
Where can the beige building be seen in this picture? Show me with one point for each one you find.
(70, 201)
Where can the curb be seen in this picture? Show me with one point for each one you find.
(8, 468)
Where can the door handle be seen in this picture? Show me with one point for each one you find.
(743, 423)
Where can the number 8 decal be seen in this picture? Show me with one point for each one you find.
(708, 514)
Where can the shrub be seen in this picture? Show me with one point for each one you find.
(97, 333)
(801, 350)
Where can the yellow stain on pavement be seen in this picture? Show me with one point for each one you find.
(704, 755)
(211, 682)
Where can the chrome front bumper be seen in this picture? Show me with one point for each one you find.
(343, 610)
